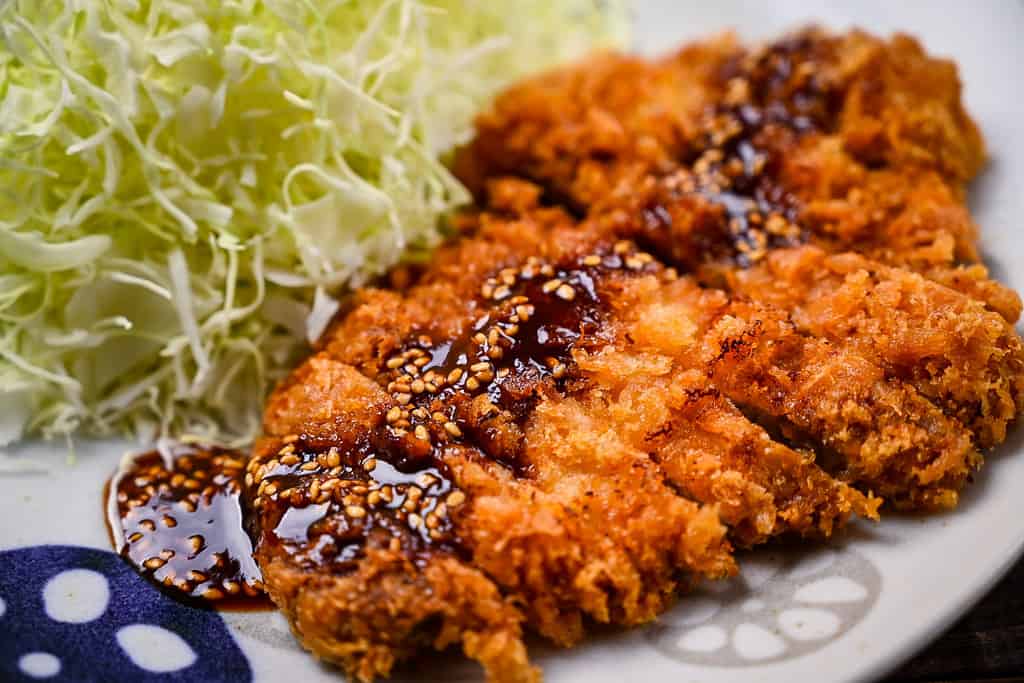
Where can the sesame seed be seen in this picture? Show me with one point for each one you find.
(134, 537)
(395, 363)
(430, 387)
(622, 247)
(421, 413)
(309, 466)
(551, 285)
(487, 291)
(415, 520)
(411, 369)
(418, 386)
(559, 371)
(314, 489)
(524, 312)
(455, 375)
(394, 414)
(479, 338)
(169, 521)
(154, 563)
(452, 429)
(403, 398)
(232, 587)
(421, 433)
(566, 292)
(502, 292)
(213, 594)
(196, 543)
(374, 498)
(355, 511)
(512, 330)
(196, 576)
(592, 260)
(455, 499)
(290, 459)
(369, 464)
(399, 387)
(333, 457)
(148, 525)
(432, 521)
(291, 438)
(472, 384)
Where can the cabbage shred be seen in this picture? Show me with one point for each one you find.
(187, 185)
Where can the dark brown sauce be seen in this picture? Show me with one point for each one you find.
(323, 505)
(182, 527)
(771, 97)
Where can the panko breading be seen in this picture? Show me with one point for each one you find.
(705, 302)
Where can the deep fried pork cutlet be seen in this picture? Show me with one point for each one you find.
(509, 442)
(550, 426)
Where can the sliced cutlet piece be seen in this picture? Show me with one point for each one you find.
(965, 358)
(657, 391)
(875, 432)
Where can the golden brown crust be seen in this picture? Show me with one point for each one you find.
(963, 357)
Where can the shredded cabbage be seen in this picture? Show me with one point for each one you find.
(187, 185)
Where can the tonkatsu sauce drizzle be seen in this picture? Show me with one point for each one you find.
(773, 95)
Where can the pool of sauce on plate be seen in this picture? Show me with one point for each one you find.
(182, 527)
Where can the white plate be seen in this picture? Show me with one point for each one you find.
(849, 612)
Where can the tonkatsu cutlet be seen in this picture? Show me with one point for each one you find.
(607, 382)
